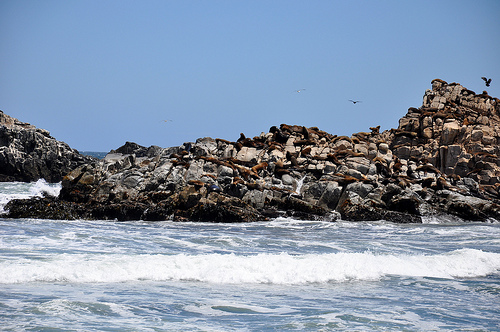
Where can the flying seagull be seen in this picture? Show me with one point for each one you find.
(355, 101)
(300, 90)
(487, 81)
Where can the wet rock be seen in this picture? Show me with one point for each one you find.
(353, 207)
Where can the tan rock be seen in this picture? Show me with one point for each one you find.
(427, 132)
(247, 154)
(343, 144)
(383, 147)
(361, 148)
(488, 140)
(450, 132)
(427, 122)
(483, 120)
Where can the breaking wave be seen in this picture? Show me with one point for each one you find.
(21, 190)
(282, 269)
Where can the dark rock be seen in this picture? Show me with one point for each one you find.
(29, 154)
(131, 148)
(354, 210)
(45, 208)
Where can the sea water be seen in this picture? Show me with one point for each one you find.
(285, 274)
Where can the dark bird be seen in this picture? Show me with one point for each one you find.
(487, 81)
(354, 101)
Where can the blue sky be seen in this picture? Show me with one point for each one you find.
(99, 73)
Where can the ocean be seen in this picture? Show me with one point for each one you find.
(99, 155)
(280, 275)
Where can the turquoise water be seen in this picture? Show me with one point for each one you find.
(283, 275)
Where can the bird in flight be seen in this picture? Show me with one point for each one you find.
(487, 81)
(167, 120)
(355, 101)
(300, 90)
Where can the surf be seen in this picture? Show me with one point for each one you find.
(279, 269)
(22, 190)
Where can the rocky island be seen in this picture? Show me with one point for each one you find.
(441, 159)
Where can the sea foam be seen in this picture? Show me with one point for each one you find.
(21, 190)
(41, 187)
(283, 269)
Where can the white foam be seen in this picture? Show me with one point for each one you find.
(20, 190)
(281, 269)
(41, 187)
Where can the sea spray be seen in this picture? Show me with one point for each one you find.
(22, 190)
(41, 187)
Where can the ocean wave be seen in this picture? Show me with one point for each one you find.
(21, 190)
(282, 269)
(41, 187)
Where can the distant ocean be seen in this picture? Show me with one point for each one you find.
(96, 154)
(282, 275)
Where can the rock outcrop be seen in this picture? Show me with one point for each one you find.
(28, 153)
(442, 159)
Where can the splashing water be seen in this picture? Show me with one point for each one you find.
(22, 190)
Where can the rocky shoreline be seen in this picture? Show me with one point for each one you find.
(442, 159)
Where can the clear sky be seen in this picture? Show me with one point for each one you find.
(99, 73)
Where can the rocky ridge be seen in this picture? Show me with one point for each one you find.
(28, 153)
(442, 159)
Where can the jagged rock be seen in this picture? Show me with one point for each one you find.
(221, 208)
(28, 153)
(469, 207)
(46, 208)
(359, 188)
(330, 196)
(450, 132)
(353, 207)
(442, 158)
